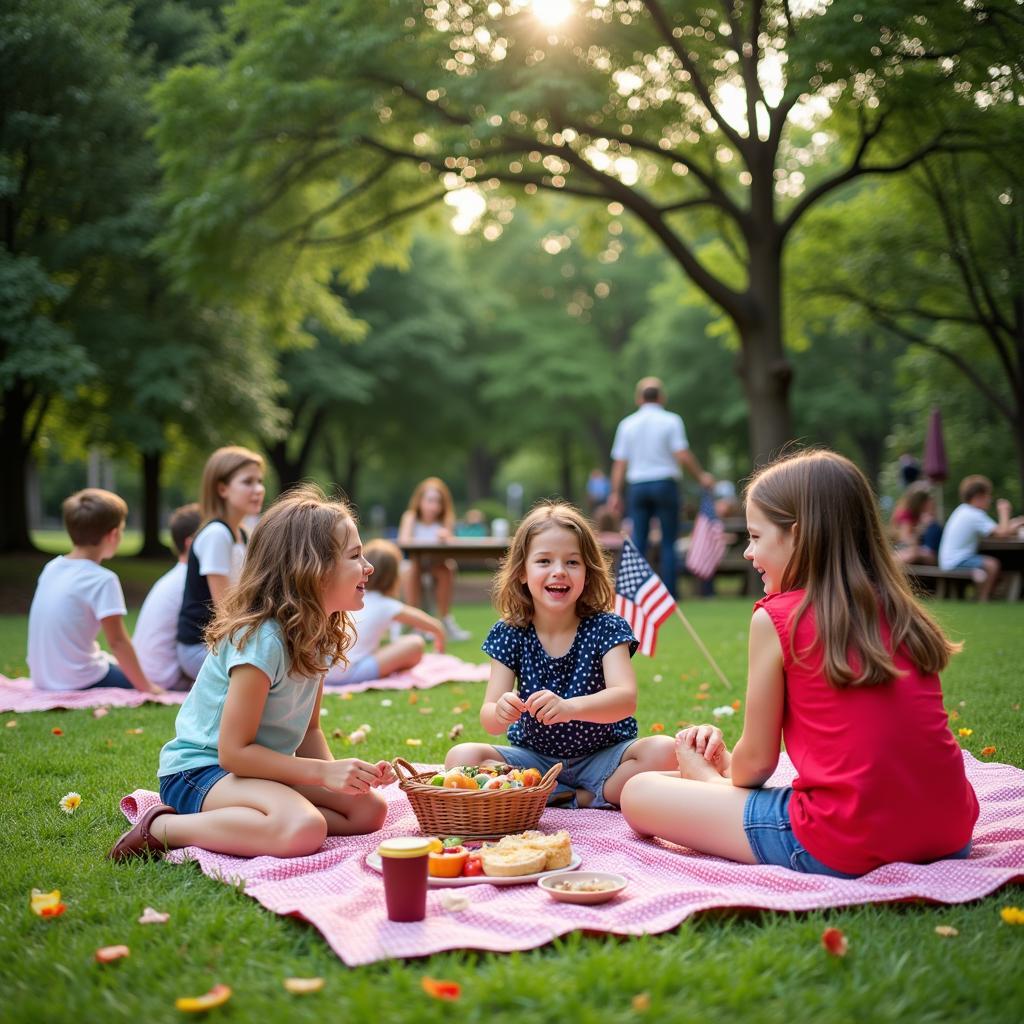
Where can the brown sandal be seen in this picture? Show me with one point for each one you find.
(138, 840)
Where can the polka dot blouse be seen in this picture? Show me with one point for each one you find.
(578, 672)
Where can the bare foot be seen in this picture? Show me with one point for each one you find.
(693, 766)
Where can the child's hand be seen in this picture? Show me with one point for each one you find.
(386, 774)
(705, 740)
(548, 708)
(350, 776)
(509, 707)
(1003, 507)
(439, 641)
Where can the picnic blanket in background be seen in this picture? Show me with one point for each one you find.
(434, 669)
(343, 898)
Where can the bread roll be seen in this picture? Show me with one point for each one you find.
(557, 848)
(510, 863)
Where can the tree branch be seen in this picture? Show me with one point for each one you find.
(361, 234)
(661, 21)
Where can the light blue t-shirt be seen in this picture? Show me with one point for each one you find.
(286, 714)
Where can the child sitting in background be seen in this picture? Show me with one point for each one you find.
(381, 608)
(844, 668)
(969, 524)
(430, 518)
(915, 532)
(249, 771)
(75, 596)
(156, 631)
(561, 680)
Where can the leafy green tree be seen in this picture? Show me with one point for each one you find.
(330, 124)
(70, 142)
(955, 229)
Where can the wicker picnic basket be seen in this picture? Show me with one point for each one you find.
(479, 815)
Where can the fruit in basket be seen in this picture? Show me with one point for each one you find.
(437, 780)
(456, 780)
(531, 777)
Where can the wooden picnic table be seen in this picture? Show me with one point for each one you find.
(467, 548)
(1010, 552)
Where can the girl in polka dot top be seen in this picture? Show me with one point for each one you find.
(561, 680)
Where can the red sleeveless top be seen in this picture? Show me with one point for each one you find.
(879, 776)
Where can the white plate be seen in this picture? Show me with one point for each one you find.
(373, 861)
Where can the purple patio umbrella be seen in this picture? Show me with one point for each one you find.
(936, 468)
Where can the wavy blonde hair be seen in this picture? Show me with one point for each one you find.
(512, 596)
(293, 550)
(447, 504)
(842, 559)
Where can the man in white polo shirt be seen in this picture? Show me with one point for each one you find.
(650, 447)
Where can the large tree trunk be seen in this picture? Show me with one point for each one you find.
(765, 371)
(151, 544)
(287, 469)
(14, 451)
(480, 474)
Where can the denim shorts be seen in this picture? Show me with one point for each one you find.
(589, 773)
(185, 791)
(360, 671)
(770, 834)
(115, 678)
(972, 562)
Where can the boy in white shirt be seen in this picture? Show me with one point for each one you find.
(75, 596)
(968, 524)
(156, 631)
(366, 658)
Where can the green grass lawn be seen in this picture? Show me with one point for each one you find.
(720, 966)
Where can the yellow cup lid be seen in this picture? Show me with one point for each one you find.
(404, 846)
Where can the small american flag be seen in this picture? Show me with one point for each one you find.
(640, 597)
(707, 542)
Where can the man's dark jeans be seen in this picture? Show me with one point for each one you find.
(657, 498)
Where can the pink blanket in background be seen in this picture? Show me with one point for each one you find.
(343, 898)
(434, 669)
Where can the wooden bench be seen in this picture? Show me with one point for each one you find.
(942, 582)
(954, 582)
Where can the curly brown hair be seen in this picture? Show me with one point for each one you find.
(511, 595)
(293, 550)
(842, 559)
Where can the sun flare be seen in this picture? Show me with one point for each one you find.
(552, 12)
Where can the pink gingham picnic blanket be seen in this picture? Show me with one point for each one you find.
(343, 898)
(434, 669)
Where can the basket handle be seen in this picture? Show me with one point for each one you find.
(550, 774)
(403, 769)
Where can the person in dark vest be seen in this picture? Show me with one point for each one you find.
(232, 489)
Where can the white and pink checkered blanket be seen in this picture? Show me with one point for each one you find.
(336, 892)
(434, 669)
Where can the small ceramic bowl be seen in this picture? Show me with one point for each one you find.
(614, 883)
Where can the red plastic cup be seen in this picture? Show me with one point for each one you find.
(404, 866)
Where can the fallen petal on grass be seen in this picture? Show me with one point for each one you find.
(11, 724)
(217, 996)
(456, 731)
(108, 954)
(448, 990)
(414, 743)
(947, 931)
(657, 727)
(70, 802)
(965, 732)
(100, 712)
(1012, 915)
(987, 751)
(57, 731)
(151, 916)
(303, 986)
(834, 941)
(46, 904)
(641, 1002)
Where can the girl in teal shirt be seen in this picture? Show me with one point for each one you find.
(249, 771)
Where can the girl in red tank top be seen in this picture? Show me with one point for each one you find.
(843, 667)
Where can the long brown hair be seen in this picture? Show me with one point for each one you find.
(293, 549)
(512, 597)
(842, 559)
(447, 519)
